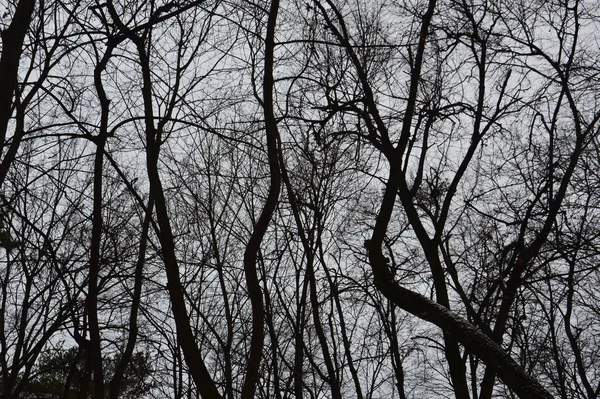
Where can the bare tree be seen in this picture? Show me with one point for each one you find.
(301, 199)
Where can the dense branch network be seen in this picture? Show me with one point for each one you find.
(323, 198)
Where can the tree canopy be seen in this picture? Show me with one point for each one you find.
(300, 199)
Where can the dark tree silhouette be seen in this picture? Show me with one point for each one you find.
(299, 199)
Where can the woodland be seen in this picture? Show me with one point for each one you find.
(299, 199)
